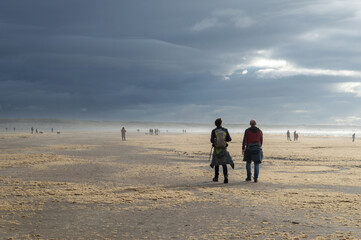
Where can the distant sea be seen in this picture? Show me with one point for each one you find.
(45, 125)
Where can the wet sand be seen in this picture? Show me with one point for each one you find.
(95, 186)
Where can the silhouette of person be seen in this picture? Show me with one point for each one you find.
(123, 133)
(288, 135)
(353, 137)
(221, 156)
(252, 149)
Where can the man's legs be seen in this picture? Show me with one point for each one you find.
(249, 173)
(256, 171)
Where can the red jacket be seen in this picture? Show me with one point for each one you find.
(252, 135)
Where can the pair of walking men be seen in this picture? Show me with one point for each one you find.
(251, 150)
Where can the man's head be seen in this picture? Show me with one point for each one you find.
(218, 122)
(252, 123)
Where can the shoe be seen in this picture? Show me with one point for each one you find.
(215, 179)
(211, 165)
(255, 180)
(225, 180)
(248, 179)
(232, 165)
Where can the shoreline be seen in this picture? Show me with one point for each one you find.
(45, 125)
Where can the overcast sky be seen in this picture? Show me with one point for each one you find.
(285, 61)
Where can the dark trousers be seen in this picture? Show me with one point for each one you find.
(216, 171)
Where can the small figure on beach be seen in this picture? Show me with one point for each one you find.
(36, 130)
(6, 129)
(295, 136)
(288, 135)
(353, 137)
(14, 129)
(123, 133)
(52, 130)
(252, 149)
(32, 130)
(219, 138)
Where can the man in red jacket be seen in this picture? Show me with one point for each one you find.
(252, 149)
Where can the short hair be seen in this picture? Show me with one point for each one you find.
(252, 122)
(218, 122)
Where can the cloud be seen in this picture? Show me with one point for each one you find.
(264, 66)
(224, 18)
(324, 34)
(171, 63)
(349, 120)
(331, 8)
(301, 111)
(280, 68)
(294, 70)
(206, 24)
(348, 87)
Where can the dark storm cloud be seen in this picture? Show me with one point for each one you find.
(277, 61)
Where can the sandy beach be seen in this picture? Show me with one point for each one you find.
(92, 185)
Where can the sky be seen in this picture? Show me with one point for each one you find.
(276, 61)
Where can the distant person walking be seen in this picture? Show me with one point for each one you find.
(294, 136)
(288, 135)
(219, 138)
(123, 133)
(32, 130)
(252, 149)
(353, 137)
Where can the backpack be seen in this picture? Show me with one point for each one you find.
(220, 139)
